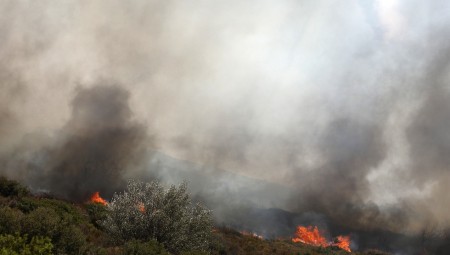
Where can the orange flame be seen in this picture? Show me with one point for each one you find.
(311, 236)
(343, 242)
(141, 207)
(96, 198)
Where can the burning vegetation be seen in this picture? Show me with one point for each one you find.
(311, 235)
(141, 207)
(96, 198)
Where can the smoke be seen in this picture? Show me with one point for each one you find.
(100, 142)
(338, 110)
(350, 150)
(93, 150)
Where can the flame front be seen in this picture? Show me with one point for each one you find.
(343, 242)
(311, 235)
(96, 198)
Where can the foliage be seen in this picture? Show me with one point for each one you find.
(10, 220)
(22, 245)
(71, 240)
(194, 253)
(26, 204)
(45, 225)
(66, 211)
(45, 221)
(147, 211)
(42, 221)
(97, 213)
(51, 218)
(136, 247)
(10, 188)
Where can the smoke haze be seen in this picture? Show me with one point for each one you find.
(319, 108)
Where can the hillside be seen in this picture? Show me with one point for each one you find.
(42, 224)
(231, 241)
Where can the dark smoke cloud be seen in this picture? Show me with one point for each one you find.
(97, 146)
(101, 142)
(339, 186)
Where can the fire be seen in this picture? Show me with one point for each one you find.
(96, 198)
(309, 235)
(312, 236)
(343, 242)
(141, 207)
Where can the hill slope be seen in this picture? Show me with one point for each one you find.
(67, 228)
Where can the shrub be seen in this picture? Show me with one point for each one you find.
(44, 221)
(41, 222)
(26, 204)
(69, 213)
(146, 211)
(70, 240)
(97, 213)
(10, 220)
(10, 188)
(194, 253)
(136, 247)
(21, 245)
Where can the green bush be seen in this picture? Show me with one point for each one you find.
(21, 245)
(41, 222)
(68, 213)
(136, 247)
(97, 213)
(147, 211)
(10, 188)
(66, 236)
(10, 220)
(194, 253)
(70, 240)
(27, 204)
(95, 250)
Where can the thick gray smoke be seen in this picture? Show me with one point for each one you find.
(94, 149)
(100, 142)
(337, 112)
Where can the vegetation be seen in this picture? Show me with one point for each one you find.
(135, 247)
(144, 219)
(11, 188)
(229, 241)
(16, 244)
(146, 211)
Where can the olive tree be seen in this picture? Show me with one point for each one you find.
(148, 211)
